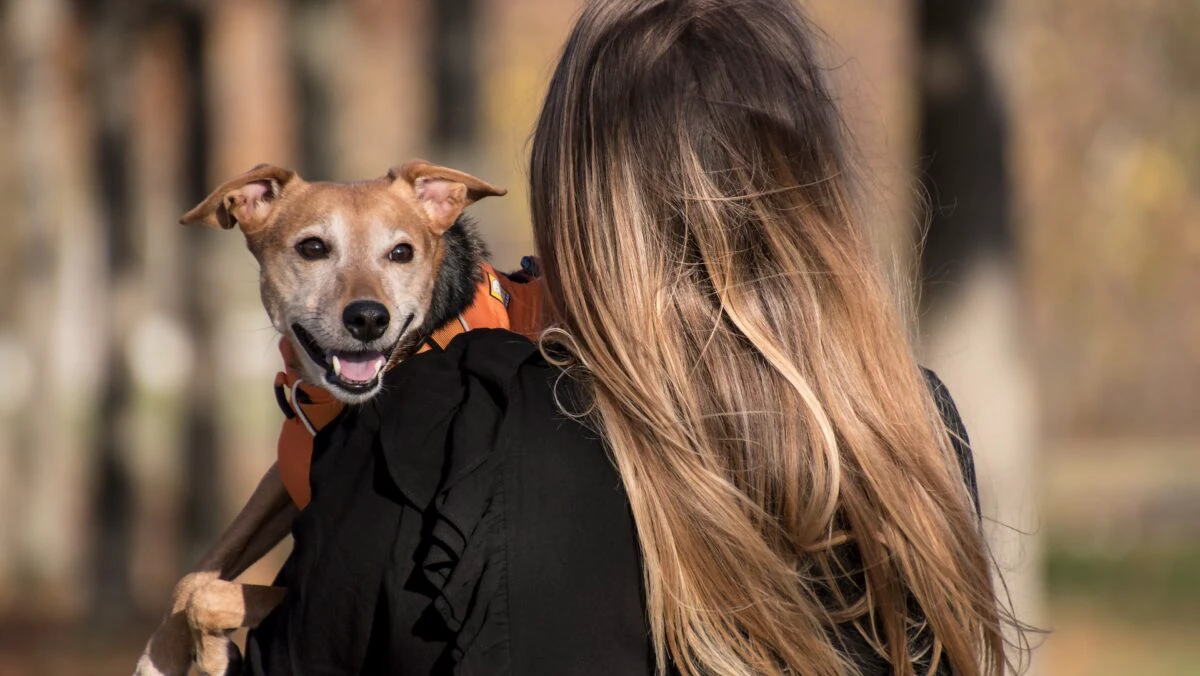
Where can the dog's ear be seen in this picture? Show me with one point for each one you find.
(442, 192)
(244, 201)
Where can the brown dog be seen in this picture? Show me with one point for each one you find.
(353, 275)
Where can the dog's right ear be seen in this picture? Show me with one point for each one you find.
(245, 201)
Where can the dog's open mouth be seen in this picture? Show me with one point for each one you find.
(357, 372)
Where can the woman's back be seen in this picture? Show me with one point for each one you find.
(462, 523)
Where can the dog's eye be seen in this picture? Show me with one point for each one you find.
(403, 253)
(312, 248)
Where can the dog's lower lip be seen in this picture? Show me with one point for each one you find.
(351, 386)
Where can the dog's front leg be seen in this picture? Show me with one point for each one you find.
(262, 524)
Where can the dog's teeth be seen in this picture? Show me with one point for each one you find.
(337, 366)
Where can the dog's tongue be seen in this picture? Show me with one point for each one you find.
(359, 368)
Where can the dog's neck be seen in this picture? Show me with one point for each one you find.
(458, 276)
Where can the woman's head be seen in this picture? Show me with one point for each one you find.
(668, 110)
(711, 282)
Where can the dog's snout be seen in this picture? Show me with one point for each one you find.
(366, 320)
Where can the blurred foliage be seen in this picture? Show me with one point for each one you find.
(1107, 94)
(1136, 584)
(1122, 610)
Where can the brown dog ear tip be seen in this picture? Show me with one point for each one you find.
(190, 218)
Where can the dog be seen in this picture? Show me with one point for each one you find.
(354, 277)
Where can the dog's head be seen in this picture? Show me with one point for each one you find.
(347, 270)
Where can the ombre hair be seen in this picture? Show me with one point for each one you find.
(793, 485)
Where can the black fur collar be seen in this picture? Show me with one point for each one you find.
(454, 288)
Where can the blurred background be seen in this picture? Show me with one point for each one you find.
(1051, 147)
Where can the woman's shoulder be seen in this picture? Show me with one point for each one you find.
(953, 422)
(560, 525)
(493, 355)
(478, 371)
(498, 395)
(439, 412)
(945, 404)
(491, 404)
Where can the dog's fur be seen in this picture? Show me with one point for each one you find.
(458, 275)
(361, 224)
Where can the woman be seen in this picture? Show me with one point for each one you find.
(721, 458)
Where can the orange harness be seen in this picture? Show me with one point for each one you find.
(500, 303)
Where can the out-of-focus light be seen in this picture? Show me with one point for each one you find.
(17, 367)
(160, 354)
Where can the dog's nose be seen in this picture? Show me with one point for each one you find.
(365, 319)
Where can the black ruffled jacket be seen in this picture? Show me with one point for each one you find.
(460, 524)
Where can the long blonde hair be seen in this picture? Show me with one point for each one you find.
(793, 486)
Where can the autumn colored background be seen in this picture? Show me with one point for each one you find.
(1052, 146)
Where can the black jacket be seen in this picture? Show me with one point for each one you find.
(460, 524)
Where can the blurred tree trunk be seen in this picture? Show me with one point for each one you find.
(61, 316)
(455, 76)
(159, 348)
(973, 319)
(250, 103)
(14, 357)
(109, 466)
(363, 71)
(201, 508)
(250, 106)
(516, 57)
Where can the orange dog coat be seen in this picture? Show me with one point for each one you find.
(500, 303)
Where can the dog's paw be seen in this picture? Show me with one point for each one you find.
(216, 607)
(169, 650)
(187, 587)
(214, 611)
(218, 655)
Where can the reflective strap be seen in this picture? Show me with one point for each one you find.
(299, 409)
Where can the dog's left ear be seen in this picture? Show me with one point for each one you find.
(442, 192)
(244, 201)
